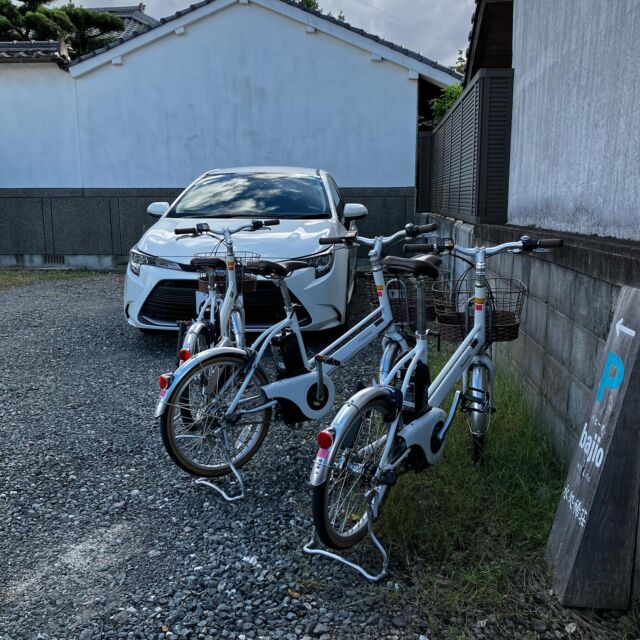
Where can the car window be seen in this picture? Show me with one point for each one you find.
(337, 198)
(251, 195)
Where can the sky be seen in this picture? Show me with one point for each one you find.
(435, 28)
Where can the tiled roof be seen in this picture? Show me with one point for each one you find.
(34, 51)
(395, 47)
(133, 17)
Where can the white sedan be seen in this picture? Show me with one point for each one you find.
(160, 284)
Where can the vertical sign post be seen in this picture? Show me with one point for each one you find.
(591, 548)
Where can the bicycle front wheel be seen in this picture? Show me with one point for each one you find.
(196, 433)
(339, 504)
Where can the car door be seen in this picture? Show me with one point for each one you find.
(338, 201)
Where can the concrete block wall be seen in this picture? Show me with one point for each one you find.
(95, 228)
(572, 295)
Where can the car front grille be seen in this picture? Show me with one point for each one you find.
(174, 300)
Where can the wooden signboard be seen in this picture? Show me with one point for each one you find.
(591, 548)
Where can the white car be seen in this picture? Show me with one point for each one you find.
(160, 283)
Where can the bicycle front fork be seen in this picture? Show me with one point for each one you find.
(477, 394)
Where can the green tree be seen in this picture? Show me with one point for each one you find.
(91, 29)
(313, 4)
(81, 29)
(440, 106)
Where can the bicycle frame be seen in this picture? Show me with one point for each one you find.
(229, 308)
(420, 431)
(300, 388)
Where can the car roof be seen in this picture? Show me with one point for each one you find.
(269, 169)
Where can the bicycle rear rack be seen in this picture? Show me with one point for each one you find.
(312, 549)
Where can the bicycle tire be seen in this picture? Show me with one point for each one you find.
(321, 495)
(169, 425)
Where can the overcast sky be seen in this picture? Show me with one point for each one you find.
(435, 28)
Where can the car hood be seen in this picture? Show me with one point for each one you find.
(289, 239)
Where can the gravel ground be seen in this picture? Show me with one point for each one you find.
(101, 536)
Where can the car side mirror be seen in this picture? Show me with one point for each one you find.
(158, 209)
(353, 211)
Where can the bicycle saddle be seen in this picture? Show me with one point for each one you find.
(423, 266)
(278, 269)
(206, 262)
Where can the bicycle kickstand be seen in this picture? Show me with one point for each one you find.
(312, 548)
(234, 470)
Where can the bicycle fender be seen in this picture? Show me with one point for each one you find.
(186, 368)
(419, 434)
(191, 335)
(344, 419)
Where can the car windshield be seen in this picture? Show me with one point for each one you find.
(254, 195)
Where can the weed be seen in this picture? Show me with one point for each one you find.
(469, 537)
(21, 277)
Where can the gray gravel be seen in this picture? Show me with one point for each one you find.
(101, 536)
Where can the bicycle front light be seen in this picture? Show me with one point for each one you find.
(322, 262)
(137, 259)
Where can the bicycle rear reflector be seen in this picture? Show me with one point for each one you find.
(164, 381)
(184, 354)
(324, 439)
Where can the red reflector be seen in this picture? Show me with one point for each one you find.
(164, 380)
(324, 439)
(184, 354)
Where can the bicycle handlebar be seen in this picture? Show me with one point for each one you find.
(410, 231)
(524, 244)
(349, 237)
(203, 227)
(545, 243)
(413, 231)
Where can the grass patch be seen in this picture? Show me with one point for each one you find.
(21, 277)
(471, 539)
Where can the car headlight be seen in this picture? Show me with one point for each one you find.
(137, 259)
(321, 262)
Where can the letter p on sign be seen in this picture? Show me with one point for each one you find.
(612, 374)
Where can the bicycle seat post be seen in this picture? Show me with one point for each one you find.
(421, 316)
(281, 283)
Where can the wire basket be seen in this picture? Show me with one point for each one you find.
(246, 282)
(454, 307)
(401, 292)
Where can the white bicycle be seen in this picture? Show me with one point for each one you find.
(222, 282)
(400, 424)
(216, 408)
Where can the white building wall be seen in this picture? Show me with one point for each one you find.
(247, 86)
(39, 132)
(243, 86)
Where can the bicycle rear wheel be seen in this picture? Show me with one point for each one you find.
(194, 429)
(339, 504)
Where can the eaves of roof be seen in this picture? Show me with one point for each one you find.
(30, 51)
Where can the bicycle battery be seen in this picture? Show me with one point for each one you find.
(286, 355)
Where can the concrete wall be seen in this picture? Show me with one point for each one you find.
(96, 227)
(573, 292)
(576, 121)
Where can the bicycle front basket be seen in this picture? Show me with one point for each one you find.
(246, 282)
(454, 305)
